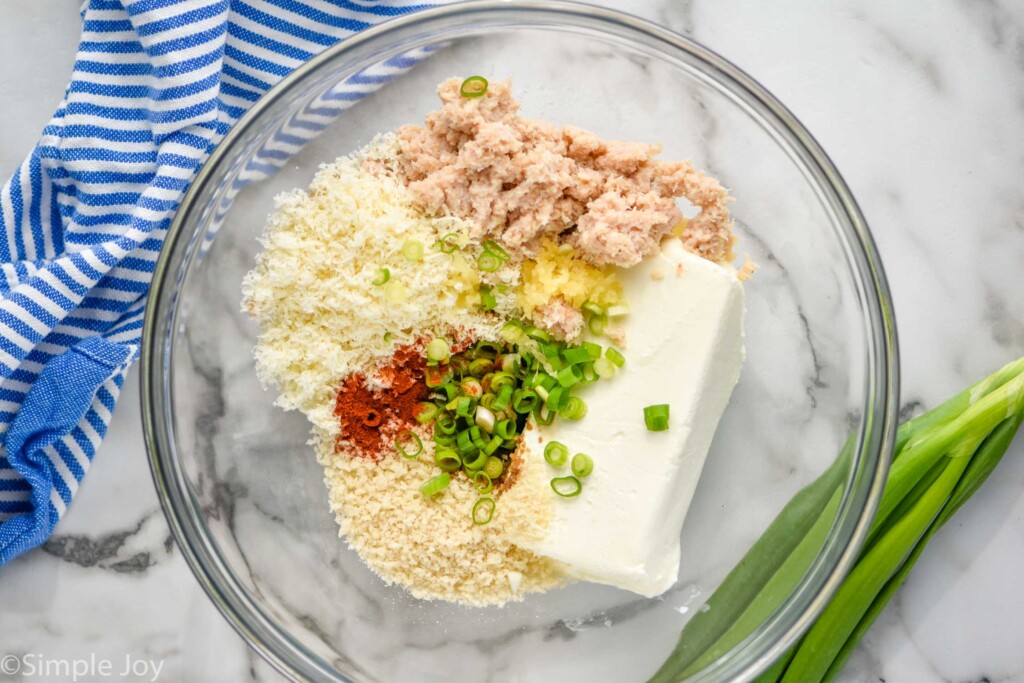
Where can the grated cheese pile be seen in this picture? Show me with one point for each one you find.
(429, 546)
(311, 292)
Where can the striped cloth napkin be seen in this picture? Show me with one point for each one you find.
(156, 84)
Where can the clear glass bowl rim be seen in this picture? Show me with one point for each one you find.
(877, 433)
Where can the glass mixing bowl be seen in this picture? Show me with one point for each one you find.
(241, 489)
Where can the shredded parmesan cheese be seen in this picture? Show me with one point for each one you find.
(321, 317)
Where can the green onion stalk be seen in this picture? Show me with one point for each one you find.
(940, 459)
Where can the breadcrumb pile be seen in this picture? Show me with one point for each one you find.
(430, 546)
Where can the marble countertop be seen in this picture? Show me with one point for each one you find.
(923, 113)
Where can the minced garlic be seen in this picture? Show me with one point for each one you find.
(558, 272)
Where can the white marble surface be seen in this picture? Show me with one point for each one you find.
(924, 115)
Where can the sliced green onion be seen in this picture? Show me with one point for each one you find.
(656, 417)
(493, 467)
(425, 412)
(511, 332)
(480, 367)
(387, 337)
(545, 381)
(615, 357)
(484, 419)
(556, 453)
(465, 445)
(604, 367)
(579, 355)
(449, 390)
(502, 379)
(566, 487)
(592, 308)
(582, 465)
(493, 247)
(416, 439)
(597, 324)
(487, 299)
(438, 349)
(488, 262)
(543, 415)
(593, 350)
(476, 462)
(482, 483)
(487, 400)
(537, 334)
(478, 437)
(447, 459)
(569, 375)
(395, 292)
(524, 400)
(459, 364)
(471, 387)
(503, 397)
(412, 250)
(474, 86)
(492, 445)
(551, 353)
(557, 398)
(445, 423)
(435, 376)
(449, 243)
(575, 409)
(464, 406)
(588, 374)
(506, 429)
(383, 275)
(444, 439)
(488, 349)
(483, 511)
(510, 363)
(617, 310)
(434, 486)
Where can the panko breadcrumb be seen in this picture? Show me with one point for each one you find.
(430, 546)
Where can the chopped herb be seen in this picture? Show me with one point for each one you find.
(566, 487)
(656, 417)
(383, 275)
(582, 465)
(474, 86)
(434, 486)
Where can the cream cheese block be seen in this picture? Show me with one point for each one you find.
(683, 347)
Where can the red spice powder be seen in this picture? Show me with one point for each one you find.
(370, 418)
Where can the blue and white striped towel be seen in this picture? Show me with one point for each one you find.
(156, 85)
